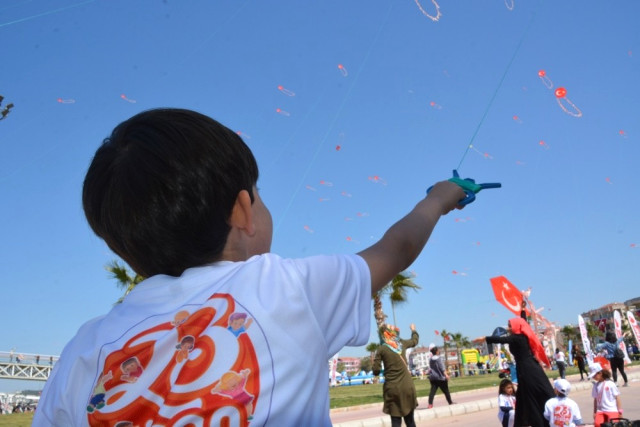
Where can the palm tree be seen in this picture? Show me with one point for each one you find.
(125, 280)
(397, 291)
(592, 331)
(446, 336)
(460, 342)
(372, 347)
(569, 332)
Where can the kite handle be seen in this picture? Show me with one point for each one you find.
(469, 186)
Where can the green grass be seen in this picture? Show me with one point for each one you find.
(17, 420)
(341, 397)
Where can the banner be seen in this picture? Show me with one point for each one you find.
(586, 346)
(334, 368)
(601, 324)
(617, 322)
(634, 327)
(570, 350)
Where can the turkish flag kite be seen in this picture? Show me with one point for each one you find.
(507, 294)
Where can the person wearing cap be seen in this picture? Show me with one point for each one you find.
(606, 396)
(534, 388)
(561, 410)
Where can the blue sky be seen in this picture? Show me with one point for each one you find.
(351, 150)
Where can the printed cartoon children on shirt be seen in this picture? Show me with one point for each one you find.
(231, 385)
(97, 397)
(238, 323)
(180, 318)
(131, 370)
(184, 348)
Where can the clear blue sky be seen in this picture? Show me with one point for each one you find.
(412, 95)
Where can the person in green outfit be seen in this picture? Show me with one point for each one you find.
(400, 398)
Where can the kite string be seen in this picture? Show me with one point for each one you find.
(49, 12)
(495, 93)
(334, 120)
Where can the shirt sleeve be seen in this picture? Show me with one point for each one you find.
(338, 288)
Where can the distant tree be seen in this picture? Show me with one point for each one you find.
(592, 333)
(366, 364)
(446, 338)
(460, 342)
(570, 333)
(372, 347)
(124, 279)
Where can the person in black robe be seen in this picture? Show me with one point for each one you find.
(534, 388)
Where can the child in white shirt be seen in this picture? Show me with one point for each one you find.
(506, 403)
(606, 396)
(560, 410)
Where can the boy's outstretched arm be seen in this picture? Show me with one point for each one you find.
(404, 240)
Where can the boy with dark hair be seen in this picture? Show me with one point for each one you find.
(173, 192)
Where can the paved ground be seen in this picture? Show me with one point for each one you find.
(479, 407)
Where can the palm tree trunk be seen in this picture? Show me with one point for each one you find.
(377, 311)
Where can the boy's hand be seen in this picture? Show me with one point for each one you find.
(448, 195)
(413, 327)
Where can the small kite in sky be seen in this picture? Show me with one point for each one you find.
(129, 100)
(517, 120)
(485, 155)
(561, 97)
(282, 112)
(510, 4)
(286, 91)
(545, 79)
(377, 180)
(343, 70)
(66, 101)
(435, 105)
(424, 12)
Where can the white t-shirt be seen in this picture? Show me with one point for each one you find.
(605, 393)
(559, 356)
(506, 401)
(241, 341)
(562, 411)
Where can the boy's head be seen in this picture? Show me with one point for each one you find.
(562, 387)
(161, 188)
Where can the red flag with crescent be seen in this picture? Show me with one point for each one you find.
(507, 294)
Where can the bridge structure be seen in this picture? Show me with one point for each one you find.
(26, 366)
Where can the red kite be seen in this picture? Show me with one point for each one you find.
(507, 294)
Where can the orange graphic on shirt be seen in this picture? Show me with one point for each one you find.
(177, 362)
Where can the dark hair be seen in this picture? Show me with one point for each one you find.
(503, 385)
(610, 337)
(161, 188)
(434, 350)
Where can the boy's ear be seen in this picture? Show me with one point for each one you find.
(242, 214)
